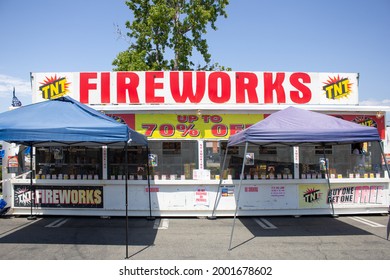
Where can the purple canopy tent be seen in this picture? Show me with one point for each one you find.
(297, 127)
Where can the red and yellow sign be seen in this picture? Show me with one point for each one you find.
(367, 120)
(198, 87)
(54, 87)
(194, 126)
(219, 126)
(337, 88)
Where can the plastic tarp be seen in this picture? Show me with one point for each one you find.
(64, 121)
(295, 126)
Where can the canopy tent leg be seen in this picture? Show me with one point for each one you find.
(238, 195)
(384, 159)
(32, 192)
(126, 202)
(388, 175)
(217, 197)
(328, 181)
(150, 198)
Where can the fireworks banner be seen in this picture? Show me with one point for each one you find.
(59, 196)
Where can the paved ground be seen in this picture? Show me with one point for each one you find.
(254, 238)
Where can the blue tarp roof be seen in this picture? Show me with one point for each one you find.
(295, 126)
(64, 121)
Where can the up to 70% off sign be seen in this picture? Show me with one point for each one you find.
(192, 126)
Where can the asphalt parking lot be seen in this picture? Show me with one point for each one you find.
(362, 237)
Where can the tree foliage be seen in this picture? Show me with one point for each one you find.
(164, 34)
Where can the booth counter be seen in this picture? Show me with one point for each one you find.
(197, 197)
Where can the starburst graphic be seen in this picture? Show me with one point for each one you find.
(21, 191)
(363, 120)
(312, 195)
(54, 87)
(337, 88)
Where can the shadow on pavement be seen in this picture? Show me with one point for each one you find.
(302, 226)
(296, 227)
(84, 230)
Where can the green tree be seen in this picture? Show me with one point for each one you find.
(164, 34)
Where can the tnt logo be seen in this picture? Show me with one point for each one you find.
(337, 88)
(54, 87)
(365, 121)
(312, 195)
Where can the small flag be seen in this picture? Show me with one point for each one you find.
(15, 101)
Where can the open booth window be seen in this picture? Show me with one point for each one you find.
(213, 157)
(261, 162)
(20, 162)
(137, 163)
(173, 159)
(361, 160)
(77, 162)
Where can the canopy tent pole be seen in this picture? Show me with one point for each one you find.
(126, 202)
(330, 196)
(238, 194)
(384, 159)
(148, 171)
(32, 197)
(213, 217)
(388, 175)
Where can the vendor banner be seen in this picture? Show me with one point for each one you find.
(198, 87)
(367, 120)
(213, 126)
(191, 126)
(320, 196)
(59, 196)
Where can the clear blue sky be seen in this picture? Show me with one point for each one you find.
(258, 35)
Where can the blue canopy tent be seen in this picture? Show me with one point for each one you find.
(65, 121)
(297, 127)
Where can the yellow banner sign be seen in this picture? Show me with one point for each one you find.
(173, 126)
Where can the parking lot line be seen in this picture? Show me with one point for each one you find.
(161, 224)
(265, 224)
(57, 223)
(366, 222)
